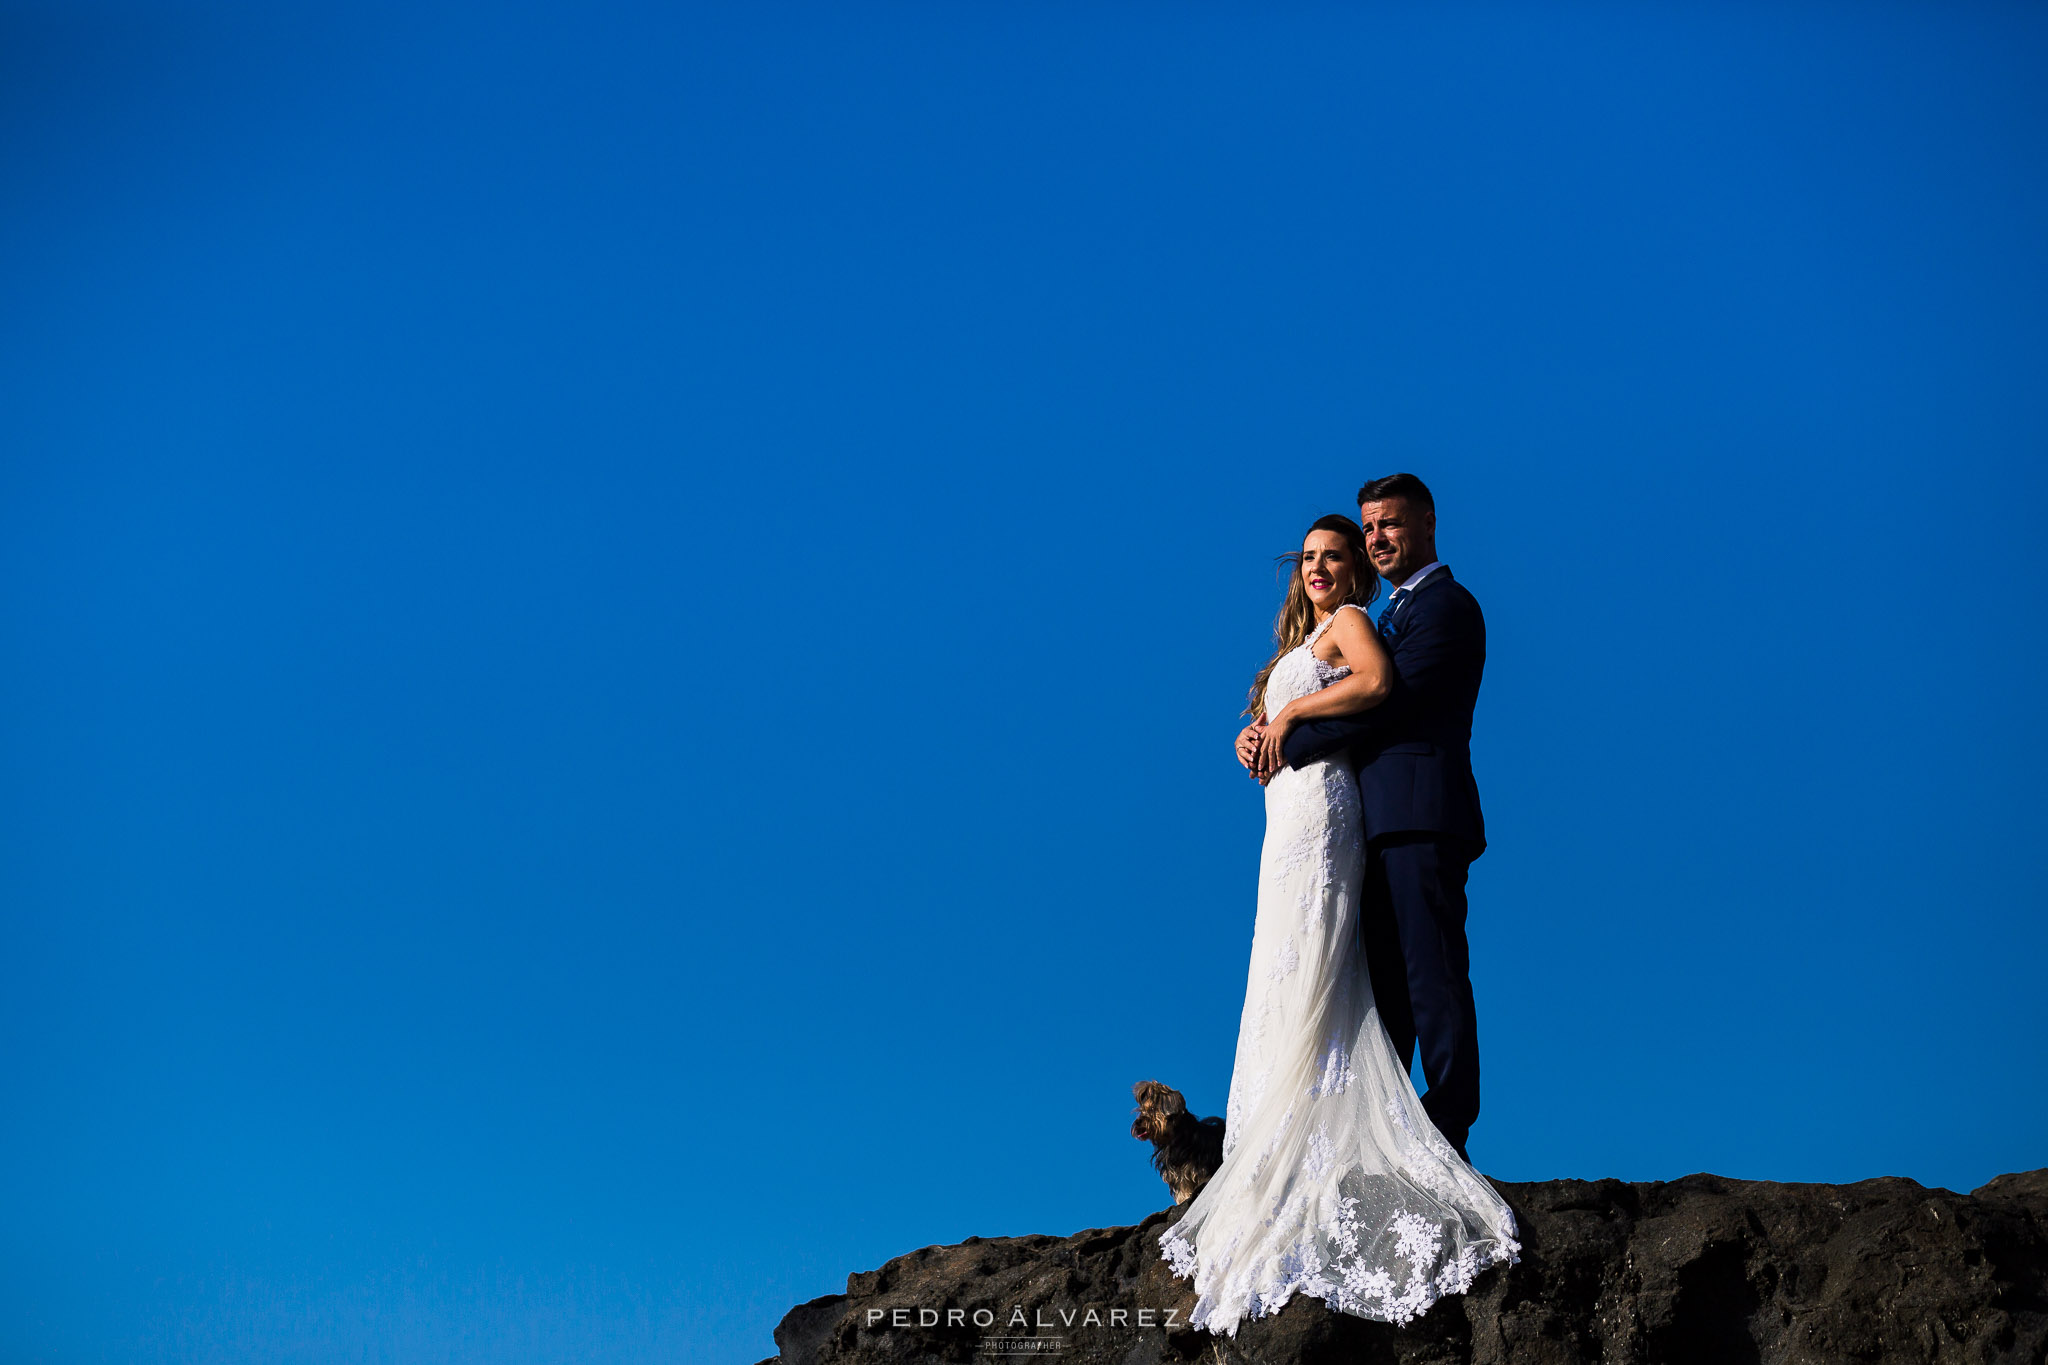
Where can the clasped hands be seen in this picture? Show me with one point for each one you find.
(1259, 745)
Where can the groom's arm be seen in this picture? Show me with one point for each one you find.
(1319, 739)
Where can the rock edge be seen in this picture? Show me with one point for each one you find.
(1699, 1271)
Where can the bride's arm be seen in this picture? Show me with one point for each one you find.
(1372, 678)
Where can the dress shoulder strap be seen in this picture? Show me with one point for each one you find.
(1317, 633)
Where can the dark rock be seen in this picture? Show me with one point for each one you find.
(1706, 1270)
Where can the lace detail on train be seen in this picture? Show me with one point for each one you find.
(1334, 1182)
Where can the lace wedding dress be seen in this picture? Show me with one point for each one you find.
(1334, 1182)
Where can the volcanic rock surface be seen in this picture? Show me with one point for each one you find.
(1704, 1269)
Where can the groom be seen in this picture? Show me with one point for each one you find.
(1422, 825)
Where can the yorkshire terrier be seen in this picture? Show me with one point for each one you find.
(1187, 1150)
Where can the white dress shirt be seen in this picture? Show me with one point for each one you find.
(1420, 574)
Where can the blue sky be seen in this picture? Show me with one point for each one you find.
(621, 625)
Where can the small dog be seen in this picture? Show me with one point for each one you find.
(1187, 1150)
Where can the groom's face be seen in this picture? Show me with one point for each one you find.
(1399, 536)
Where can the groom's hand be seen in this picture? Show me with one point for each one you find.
(1248, 746)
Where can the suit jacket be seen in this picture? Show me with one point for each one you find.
(1414, 750)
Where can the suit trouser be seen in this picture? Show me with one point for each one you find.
(1412, 928)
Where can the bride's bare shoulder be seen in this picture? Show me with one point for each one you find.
(1355, 637)
(1355, 619)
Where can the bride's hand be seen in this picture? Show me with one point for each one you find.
(1248, 742)
(1270, 758)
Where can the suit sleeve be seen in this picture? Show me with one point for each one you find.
(1314, 740)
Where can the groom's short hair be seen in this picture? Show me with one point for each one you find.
(1397, 486)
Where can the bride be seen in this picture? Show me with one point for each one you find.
(1334, 1183)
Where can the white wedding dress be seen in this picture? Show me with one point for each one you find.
(1334, 1182)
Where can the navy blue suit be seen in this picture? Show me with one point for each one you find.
(1423, 829)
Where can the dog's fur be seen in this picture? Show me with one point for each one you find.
(1187, 1150)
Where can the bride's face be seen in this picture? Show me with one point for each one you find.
(1327, 570)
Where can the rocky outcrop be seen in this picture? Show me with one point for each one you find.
(1704, 1269)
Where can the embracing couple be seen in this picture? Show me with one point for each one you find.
(1337, 1180)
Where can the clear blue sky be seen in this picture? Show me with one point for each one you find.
(619, 627)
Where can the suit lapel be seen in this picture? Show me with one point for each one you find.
(1438, 576)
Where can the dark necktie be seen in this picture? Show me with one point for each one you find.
(1387, 626)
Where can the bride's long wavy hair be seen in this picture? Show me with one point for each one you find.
(1297, 614)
